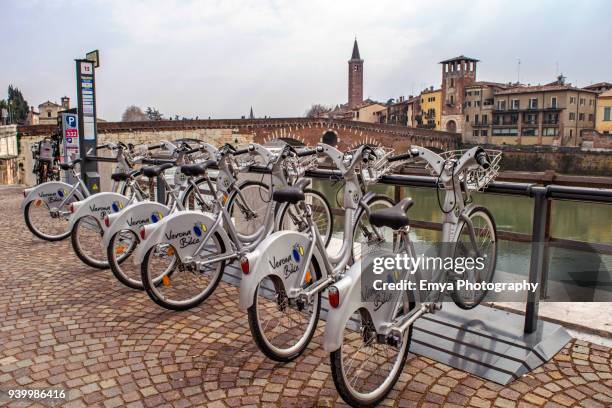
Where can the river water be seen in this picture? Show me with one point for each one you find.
(573, 275)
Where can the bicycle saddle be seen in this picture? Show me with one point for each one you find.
(154, 171)
(293, 194)
(394, 217)
(122, 175)
(69, 166)
(196, 169)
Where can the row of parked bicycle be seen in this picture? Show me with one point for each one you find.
(173, 224)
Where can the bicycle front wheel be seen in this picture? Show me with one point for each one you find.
(176, 286)
(365, 368)
(485, 232)
(293, 218)
(248, 209)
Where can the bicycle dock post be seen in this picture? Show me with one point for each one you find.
(536, 267)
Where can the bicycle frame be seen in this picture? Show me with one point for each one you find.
(198, 228)
(383, 311)
(303, 247)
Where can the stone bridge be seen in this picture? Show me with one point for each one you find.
(298, 131)
(343, 133)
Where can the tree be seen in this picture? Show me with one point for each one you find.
(317, 110)
(17, 106)
(133, 114)
(153, 114)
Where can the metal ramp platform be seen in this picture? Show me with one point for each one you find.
(489, 343)
(486, 342)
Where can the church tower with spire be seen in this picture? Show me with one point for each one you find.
(355, 78)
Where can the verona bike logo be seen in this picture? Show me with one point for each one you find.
(189, 237)
(156, 216)
(135, 223)
(289, 264)
(54, 196)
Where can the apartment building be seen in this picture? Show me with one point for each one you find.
(478, 107)
(431, 109)
(553, 114)
(603, 117)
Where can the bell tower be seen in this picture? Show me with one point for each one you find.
(355, 78)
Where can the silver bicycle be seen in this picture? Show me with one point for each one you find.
(183, 257)
(285, 276)
(368, 331)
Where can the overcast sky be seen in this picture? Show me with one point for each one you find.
(219, 58)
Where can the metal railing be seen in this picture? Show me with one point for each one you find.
(542, 195)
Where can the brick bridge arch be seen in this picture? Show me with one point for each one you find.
(308, 131)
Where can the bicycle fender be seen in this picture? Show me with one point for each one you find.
(50, 192)
(98, 206)
(184, 230)
(135, 216)
(350, 300)
(280, 254)
(378, 304)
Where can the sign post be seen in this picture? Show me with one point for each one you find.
(86, 122)
(70, 149)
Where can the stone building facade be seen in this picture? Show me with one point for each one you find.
(457, 73)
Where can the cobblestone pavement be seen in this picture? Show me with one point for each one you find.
(65, 325)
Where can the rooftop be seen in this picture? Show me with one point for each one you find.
(355, 55)
(542, 88)
(459, 58)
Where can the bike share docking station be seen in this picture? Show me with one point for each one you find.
(493, 344)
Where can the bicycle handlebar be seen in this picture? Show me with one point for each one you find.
(156, 162)
(307, 152)
(403, 156)
(483, 159)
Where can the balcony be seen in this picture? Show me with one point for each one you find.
(550, 122)
(479, 124)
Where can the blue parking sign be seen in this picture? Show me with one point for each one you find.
(71, 121)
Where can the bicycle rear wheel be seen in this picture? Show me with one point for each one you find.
(120, 248)
(176, 286)
(46, 224)
(86, 238)
(485, 232)
(281, 327)
(365, 368)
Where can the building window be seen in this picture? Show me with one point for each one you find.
(572, 116)
(452, 99)
(590, 117)
(505, 132)
(582, 101)
(467, 118)
(533, 103)
(530, 132)
(515, 104)
(477, 103)
(484, 132)
(485, 119)
(452, 82)
(572, 100)
(581, 117)
(607, 113)
(590, 102)
(477, 93)
(475, 133)
(501, 105)
(553, 102)
(549, 132)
